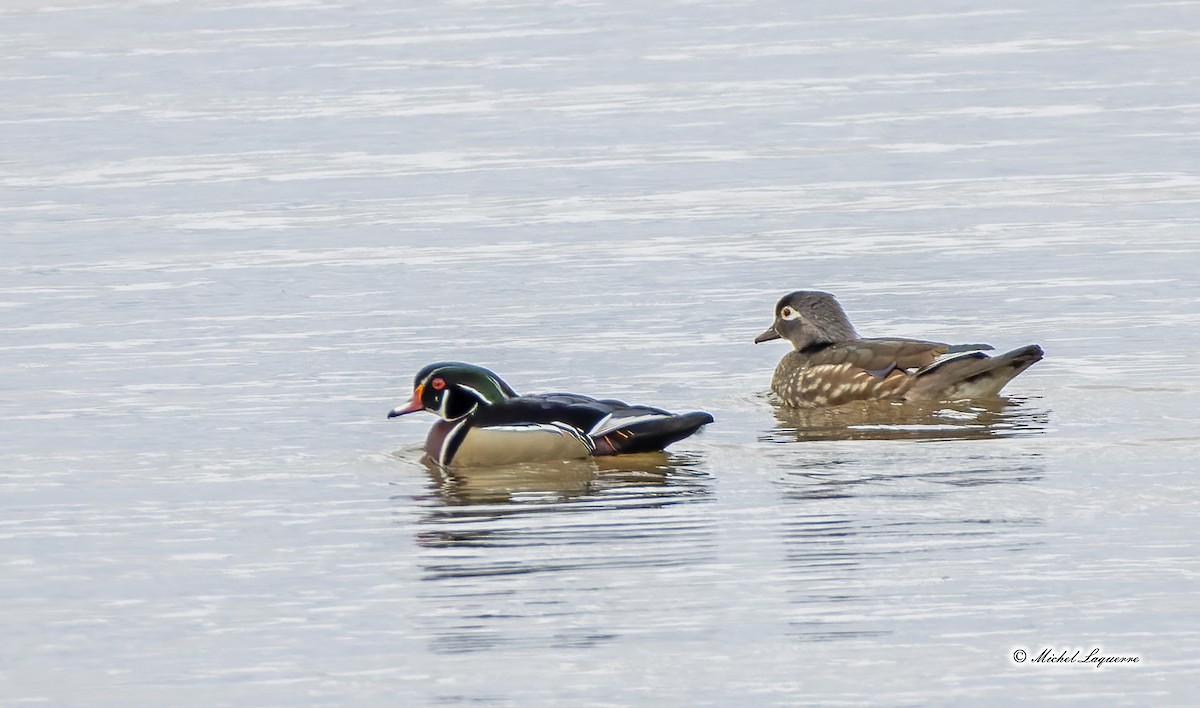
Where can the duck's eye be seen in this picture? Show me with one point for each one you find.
(438, 384)
(788, 313)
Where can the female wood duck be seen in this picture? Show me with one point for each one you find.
(832, 365)
(484, 422)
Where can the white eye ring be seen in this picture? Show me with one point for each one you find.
(788, 313)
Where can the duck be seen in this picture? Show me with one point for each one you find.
(831, 365)
(483, 421)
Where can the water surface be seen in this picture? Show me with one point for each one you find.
(234, 231)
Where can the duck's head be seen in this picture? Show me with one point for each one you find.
(452, 389)
(809, 318)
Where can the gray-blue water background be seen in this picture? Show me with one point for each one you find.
(232, 231)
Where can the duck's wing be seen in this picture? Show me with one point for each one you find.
(611, 427)
(878, 356)
(559, 409)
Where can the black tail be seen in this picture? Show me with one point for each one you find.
(651, 435)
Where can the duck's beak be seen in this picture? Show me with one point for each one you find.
(767, 336)
(412, 406)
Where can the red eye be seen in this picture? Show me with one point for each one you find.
(438, 384)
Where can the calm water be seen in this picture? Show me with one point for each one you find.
(233, 231)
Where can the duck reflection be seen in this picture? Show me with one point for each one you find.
(501, 548)
(470, 505)
(521, 483)
(888, 420)
(656, 474)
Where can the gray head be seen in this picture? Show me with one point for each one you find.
(808, 318)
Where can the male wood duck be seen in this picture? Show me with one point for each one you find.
(484, 421)
(832, 365)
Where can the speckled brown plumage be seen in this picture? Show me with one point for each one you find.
(832, 365)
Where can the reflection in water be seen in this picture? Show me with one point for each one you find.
(908, 473)
(501, 547)
(492, 506)
(887, 420)
(652, 474)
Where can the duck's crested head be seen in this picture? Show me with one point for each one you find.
(453, 389)
(808, 318)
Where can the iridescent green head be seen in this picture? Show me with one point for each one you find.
(452, 389)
